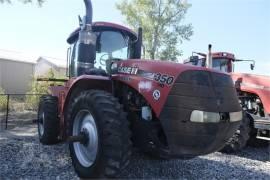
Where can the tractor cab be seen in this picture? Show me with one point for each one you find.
(221, 61)
(112, 43)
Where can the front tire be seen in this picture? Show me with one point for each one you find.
(240, 138)
(107, 148)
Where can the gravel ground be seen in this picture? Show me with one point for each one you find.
(23, 157)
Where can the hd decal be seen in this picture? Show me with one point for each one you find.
(145, 86)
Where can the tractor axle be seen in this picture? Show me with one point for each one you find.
(81, 138)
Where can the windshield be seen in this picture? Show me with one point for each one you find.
(221, 64)
(111, 45)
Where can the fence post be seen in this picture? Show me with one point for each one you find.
(7, 112)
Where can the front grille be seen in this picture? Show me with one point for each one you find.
(200, 90)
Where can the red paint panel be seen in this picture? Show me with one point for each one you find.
(256, 84)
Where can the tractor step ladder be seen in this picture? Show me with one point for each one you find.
(263, 126)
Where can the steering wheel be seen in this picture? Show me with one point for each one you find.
(103, 60)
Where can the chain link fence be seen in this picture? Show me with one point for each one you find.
(18, 110)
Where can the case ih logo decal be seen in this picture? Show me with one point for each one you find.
(162, 79)
(128, 70)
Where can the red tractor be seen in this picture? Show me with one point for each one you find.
(113, 99)
(254, 97)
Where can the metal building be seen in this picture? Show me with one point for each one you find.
(18, 70)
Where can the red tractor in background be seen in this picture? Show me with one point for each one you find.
(254, 97)
(114, 99)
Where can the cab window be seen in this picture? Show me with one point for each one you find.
(111, 45)
(221, 64)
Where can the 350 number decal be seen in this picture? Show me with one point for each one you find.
(164, 78)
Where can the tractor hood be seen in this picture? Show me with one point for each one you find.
(175, 93)
(155, 80)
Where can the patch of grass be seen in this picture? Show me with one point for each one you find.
(3, 100)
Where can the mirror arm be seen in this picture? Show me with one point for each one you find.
(251, 65)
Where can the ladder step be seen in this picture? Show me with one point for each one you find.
(263, 138)
(262, 123)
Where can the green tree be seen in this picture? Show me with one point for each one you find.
(39, 88)
(40, 2)
(162, 21)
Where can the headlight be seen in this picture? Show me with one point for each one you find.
(236, 116)
(204, 117)
(212, 117)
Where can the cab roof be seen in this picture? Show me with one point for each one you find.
(223, 55)
(103, 26)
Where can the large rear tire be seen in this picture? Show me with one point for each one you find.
(240, 138)
(107, 147)
(48, 120)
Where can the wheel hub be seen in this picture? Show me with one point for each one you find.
(86, 149)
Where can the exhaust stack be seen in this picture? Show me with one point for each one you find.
(86, 42)
(209, 59)
(89, 12)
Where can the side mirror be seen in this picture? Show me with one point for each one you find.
(194, 60)
(138, 45)
(252, 66)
